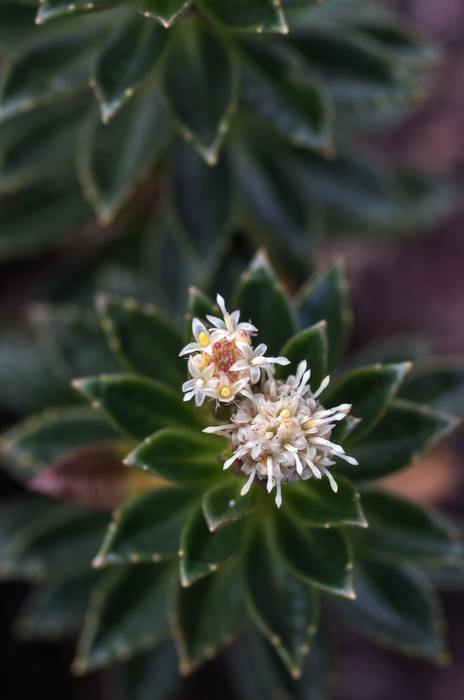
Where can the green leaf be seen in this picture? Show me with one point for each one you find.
(128, 614)
(202, 199)
(404, 433)
(261, 298)
(203, 551)
(41, 549)
(53, 9)
(282, 606)
(396, 607)
(200, 86)
(180, 456)
(439, 384)
(125, 62)
(315, 504)
(207, 616)
(318, 556)
(223, 504)
(46, 71)
(310, 345)
(164, 11)
(369, 390)
(250, 16)
(72, 340)
(113, 157)
(402, 529)
(148, 527)
(52, 613)
(392, 350)
(326, 298)
(136, 406)
(30, 446)
(142, 339)
(18, 514)
(151, 676)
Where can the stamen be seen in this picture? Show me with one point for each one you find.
(203, 338)
(225, 392)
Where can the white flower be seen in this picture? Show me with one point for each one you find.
(282, 433)
(201, 373)
(202, 337)
(229, 327)
(253, 361)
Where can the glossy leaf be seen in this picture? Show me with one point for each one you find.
(207, 616)
(113, 157)
(203, 551)
(396, 607)
(252, 16)
(53, 9)
(136, 406)
(125, 62)
(319, 557)
(315, 503)
(30, 446)
(440, 385)
(326, 299)
(223, 504)
(260, 297)
(127, 616)
(369, 390)
(199, 84)
(180, 456)
(142, 339)
(401, 529)
(404, 433)
(310, 345)
(202, 199)
(282, 606)
(148, 527)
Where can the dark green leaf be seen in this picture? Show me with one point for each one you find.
(283, 607)
(165, 11)
(200, 86)
(113, 157)
(125, 62)
(396, 607)
(30, 446)
(148, 527)
(203, 551)
(401, 529)
(128, 614)
(318, 506)
(151, 676)
(223, 503)
(440, 385)
(142, 339)
(310, 345)
(249, 16)
(261, 298)
(180, 456)
(319, 557)
(403, 349)
(369, 390)
(135, 405)
(326, 299)
(18, 514)
(207, 616)
(202, 199)
(404, 433)
(53, 9)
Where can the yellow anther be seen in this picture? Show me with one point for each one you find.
(289, 426)
(284, 414)
(203, 338)
(311, 423)
(225, 392)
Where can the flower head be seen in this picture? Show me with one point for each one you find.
(281, 433)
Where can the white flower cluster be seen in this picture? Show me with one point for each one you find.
(278, 430)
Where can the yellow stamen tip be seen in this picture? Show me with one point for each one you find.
(225, 392)
(285, 413)
(203, 338)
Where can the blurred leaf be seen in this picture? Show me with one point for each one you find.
(127, 615)
(136, 406)
(396, 607)
(440, 385)
(261, 299)
(317, 505)
(224, 504)
(200, 86)
(149, 676)
(180, 456)
(113, 157)
(390, 351)
(54, 9)
(148, 527)
(165, 11)
(252, 16)
(310, 345)
(207, 616)
(325, 298)
(143, 339)
(125, 61)
(404, 433)
(283, 607)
